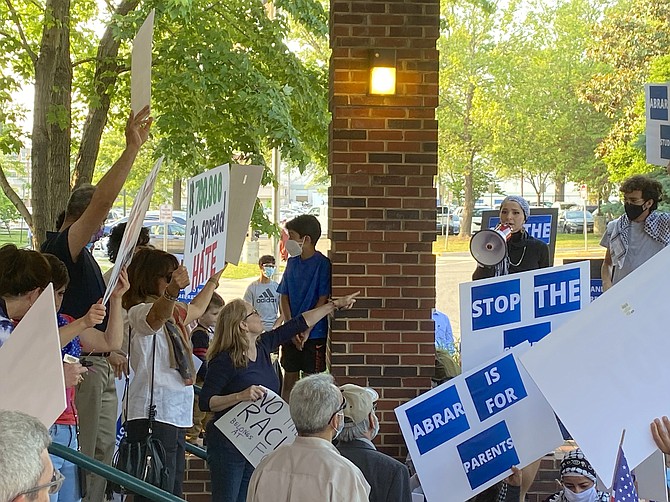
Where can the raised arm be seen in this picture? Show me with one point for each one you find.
(199, 304)
(108, 188)
(112, 338)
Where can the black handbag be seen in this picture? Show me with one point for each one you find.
(143, 457)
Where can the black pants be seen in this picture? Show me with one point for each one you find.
(173, 439)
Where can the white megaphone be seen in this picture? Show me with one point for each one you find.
(489, 246)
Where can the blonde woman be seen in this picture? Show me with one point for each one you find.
(239, 369)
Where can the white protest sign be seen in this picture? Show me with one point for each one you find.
(616, 350)
(650, 478)
(466, 434)
(140, 65)
(133, 227)
(206, 224)
(244, 184)
(257, 428)
(658, 124)
(32, 367)
(501, 312)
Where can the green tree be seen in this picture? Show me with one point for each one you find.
(465, 102)
(225, 86)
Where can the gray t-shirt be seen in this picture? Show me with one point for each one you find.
(641, 247)
(265, 299)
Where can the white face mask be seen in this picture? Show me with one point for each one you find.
(375, 427)
(589, 495)
(294, 248)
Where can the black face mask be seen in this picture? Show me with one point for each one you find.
(633, 211)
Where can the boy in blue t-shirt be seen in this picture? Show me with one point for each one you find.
(305, 285)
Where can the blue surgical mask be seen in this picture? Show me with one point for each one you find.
(269, 272)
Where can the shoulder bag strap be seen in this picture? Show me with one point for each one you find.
(152, 407)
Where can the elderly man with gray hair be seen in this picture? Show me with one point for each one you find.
(388, 478)
(311, 468)
(26, 471)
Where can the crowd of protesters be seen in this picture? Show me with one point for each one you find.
(144, 328)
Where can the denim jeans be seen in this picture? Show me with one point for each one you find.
(67, 436)
(230, 471)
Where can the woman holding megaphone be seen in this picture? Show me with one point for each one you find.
(521, 253)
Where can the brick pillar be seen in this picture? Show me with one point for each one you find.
(382, 160)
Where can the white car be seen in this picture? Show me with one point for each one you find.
(477, 218)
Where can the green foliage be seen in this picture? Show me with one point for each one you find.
(8, 212)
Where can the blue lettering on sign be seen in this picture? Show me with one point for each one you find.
(557, 292)
(596, 288)
(537, 225)
(665, 142)
(533, 334)
(496, 387)
(488, 454)
(496, 304)
(438, 419)
(186, 298)
(658, 102)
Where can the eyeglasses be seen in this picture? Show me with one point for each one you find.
(53, 486)
(254, 311)
(637, 202)
(340, 409)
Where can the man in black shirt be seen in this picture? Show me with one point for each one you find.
(84, 216)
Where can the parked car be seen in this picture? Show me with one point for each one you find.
(176, 235)
(477, 218)
(571, 221)
(446, 219)
(177, 217)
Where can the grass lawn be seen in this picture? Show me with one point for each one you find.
(16, 237)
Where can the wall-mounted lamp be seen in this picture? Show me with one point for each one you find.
(382, 71)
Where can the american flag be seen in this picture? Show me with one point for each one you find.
(623, 488)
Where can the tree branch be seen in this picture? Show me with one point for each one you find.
(82, 61)
(14, 198)
(24, 40)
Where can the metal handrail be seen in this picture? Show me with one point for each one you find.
(111, 474)
(194, 449)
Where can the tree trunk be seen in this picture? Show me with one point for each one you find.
(176, 194)
(559, 192)
(106, 73)
(44, 114)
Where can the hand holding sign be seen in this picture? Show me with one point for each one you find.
(252, 393)
(95, 315)
(178, 280)
(137, 128)
(660, 431)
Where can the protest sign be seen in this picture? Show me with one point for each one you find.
(541, 224)
(257, 428)
(32, 366)
(133, 227)
(658, 124)
(140, 65)
(244, 184)
(617, 349)
(466, 434)
(501, 312)
(206, 224)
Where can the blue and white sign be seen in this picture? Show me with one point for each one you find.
(437, 419)
(501, 312)
(541, 224)
(496, 387)
(658, 124)
(465, 435)
(486, 454)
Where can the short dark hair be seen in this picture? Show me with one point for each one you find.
(116, 235)
(650, 188)
(265, 259)
(59, 274)
(22, 270)
(305, 224)
(79, 200)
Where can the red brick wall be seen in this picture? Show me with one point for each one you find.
(382, 160)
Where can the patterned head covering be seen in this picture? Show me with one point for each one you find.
(575, 464)
(525, 207)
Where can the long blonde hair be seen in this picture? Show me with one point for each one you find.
(229, 335)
